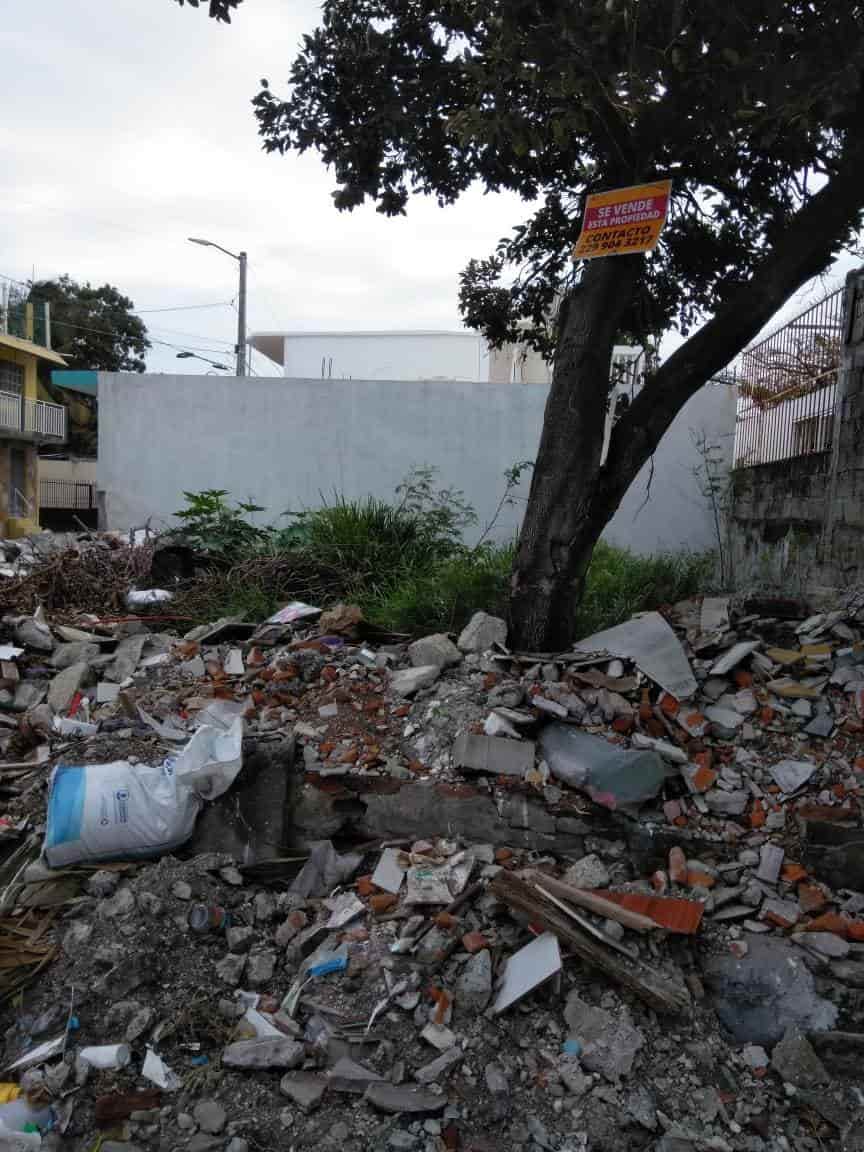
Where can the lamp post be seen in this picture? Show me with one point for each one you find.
(212, 363)
(241, 300)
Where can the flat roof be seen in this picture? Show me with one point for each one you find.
(272, 344)
(19, 345)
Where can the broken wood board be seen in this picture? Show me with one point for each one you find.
(666, 994)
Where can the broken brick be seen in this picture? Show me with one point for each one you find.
(623, 724)
(446, 921)
(660, 882)
(382, 902)
(502, 855)
(793, 872)
(365, 887)
(669, 705)
(474, 942)
(829, 922)
(811, 898)
(677, 866)
(696, 879)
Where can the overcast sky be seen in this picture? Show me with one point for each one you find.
(127, 127)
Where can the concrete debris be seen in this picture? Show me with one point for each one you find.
(589, 872)
(536, 833)
(794, 1060)
(438, 651)
(482, 632)
(409, 681)
(493, 754)
(609, 1043)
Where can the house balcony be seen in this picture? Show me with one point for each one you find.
(33, 420)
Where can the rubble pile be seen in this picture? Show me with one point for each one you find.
(444, 895)
(63, 571)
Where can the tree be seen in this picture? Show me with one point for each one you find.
(93, 328)
(754, 108)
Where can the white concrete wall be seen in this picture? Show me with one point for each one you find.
(287, 444)
(385, 356)
(78, 471)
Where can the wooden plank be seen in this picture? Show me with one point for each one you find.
(593, 903)
(663, 994)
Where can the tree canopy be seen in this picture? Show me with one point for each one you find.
(754, 109)
(748, 106)
(93, 328)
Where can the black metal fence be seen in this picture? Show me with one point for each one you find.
(787, 388)
(66, 494)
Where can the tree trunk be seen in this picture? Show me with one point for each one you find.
(561, 526)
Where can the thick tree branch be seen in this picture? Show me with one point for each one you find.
(804, 250)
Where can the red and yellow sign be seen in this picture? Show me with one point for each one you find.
(623, 221)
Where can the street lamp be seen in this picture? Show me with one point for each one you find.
(212, 363)
(241, 300)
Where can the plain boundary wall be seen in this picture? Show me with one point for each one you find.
(288, 444)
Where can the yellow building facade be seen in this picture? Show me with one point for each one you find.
(26, 422)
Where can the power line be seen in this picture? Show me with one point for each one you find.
(184, 307)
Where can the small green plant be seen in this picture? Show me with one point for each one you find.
(219, 530)
(712, 477)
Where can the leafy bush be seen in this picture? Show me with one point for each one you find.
(218, 530)
(403, 562)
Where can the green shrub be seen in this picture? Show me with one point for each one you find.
(216, 529)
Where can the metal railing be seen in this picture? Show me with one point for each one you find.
(32, 325)
(787, 388)
(66, 494)
(31, 417)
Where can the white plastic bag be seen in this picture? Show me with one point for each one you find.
(118, 810)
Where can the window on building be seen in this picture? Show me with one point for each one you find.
(11, 378)
(812, 434)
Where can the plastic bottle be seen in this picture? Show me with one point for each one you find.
(20, 1116)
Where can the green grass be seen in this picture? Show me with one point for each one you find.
(404, 565)
(620, 583)
(443, 596)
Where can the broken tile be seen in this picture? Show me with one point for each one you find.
(770, 863)
(527, 969)
(733, 657)
(790, 775)
(389, 873)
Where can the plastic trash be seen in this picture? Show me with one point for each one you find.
(107, 1056)
(207, 918)
(135, 599)
(612, 776)
(157, 1072)
(105, 811)
(22, 1125)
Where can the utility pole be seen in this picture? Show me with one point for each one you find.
(240, 346)
(241, 318)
